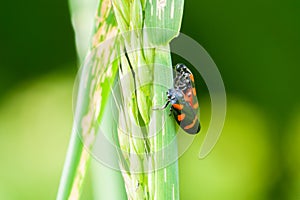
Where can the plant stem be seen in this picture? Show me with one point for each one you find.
(146, 68)
(93, 78)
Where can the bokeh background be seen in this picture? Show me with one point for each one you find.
(256, 46)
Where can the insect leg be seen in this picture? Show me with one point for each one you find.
(162, 107)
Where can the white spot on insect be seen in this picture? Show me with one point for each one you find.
(161, 4)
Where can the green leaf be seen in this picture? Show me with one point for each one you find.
(97, 76)
(163, 20)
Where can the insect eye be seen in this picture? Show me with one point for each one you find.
(179, 67)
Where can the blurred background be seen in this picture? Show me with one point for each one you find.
(256, 46)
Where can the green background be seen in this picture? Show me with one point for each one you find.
(256, 46)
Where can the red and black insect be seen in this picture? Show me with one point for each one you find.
(184, 81)
(183, 99)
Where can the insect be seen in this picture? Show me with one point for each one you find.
(183, 99)
(184, 81)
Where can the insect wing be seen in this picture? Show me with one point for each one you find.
(185, 116)
(191, 98)
(184, 81)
